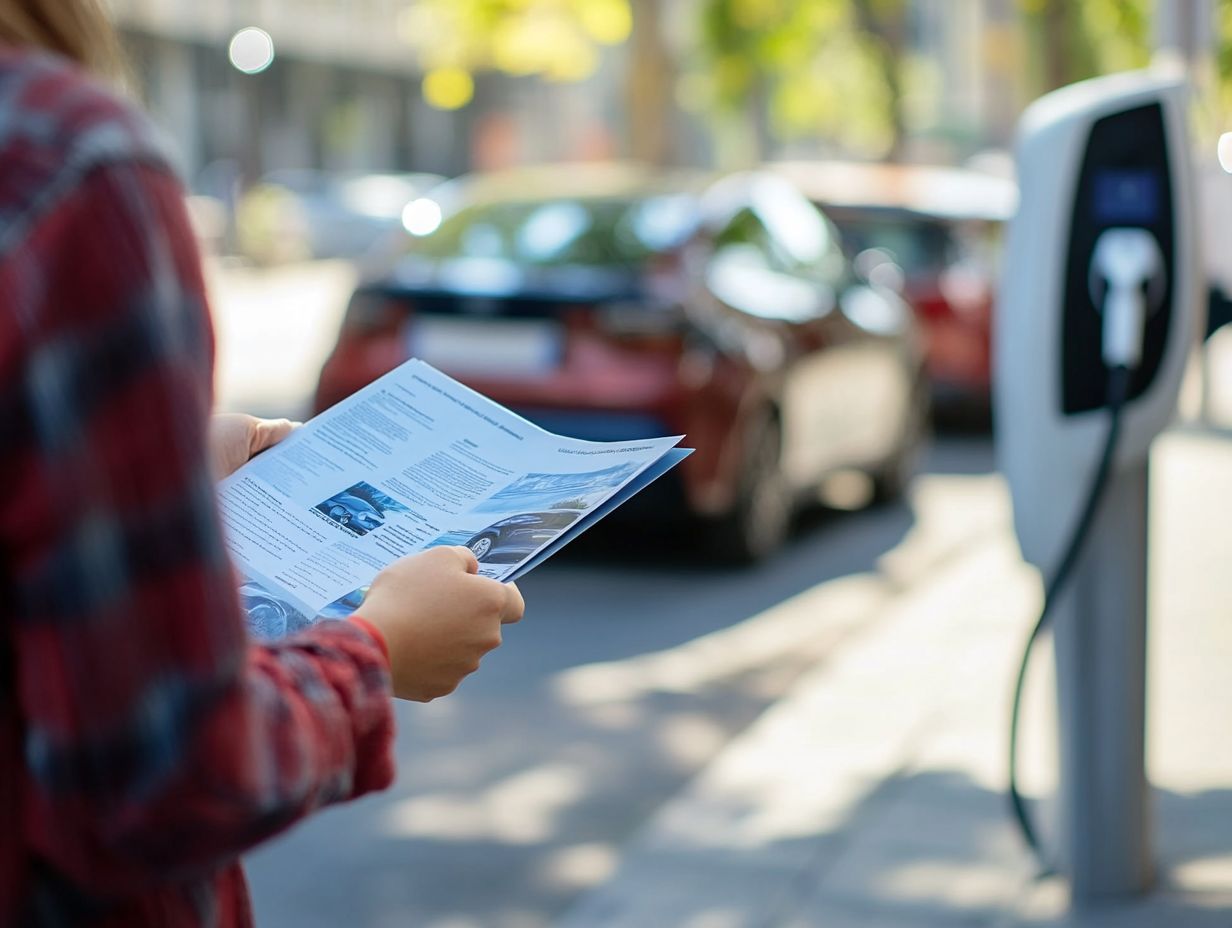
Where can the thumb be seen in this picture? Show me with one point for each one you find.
(468, 557)
(268, 432)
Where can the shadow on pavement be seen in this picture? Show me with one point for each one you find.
(919, 851)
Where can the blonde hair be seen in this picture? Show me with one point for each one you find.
(77, 29)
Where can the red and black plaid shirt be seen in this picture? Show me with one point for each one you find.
(145, 742)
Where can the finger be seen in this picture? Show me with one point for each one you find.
(268, 432)
(515, 605)
(468, 558)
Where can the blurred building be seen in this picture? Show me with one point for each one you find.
(342, 93)
(343, 90)
(970, 91)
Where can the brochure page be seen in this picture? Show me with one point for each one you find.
(412, 461)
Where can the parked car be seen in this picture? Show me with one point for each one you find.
(517, 537)
(611, 302)
(297, 215)
(943, 228)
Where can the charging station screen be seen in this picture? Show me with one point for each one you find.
(1123, 196)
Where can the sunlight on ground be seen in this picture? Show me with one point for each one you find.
(952, 513)
(1204, 874)
(522, 809)
(953, 885)
(726, 653)
(579, 866)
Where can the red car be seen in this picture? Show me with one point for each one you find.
(942, 227)
(615, 303)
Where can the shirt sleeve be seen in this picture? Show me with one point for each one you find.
(159, 741)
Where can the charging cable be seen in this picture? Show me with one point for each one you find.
(1126, 276)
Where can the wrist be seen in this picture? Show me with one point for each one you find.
(374, 633)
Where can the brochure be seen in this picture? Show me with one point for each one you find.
(410, 462)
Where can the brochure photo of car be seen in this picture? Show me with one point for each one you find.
(360, 508)
(513, 539)
(533, 511)
(343, 606)
(269, 616)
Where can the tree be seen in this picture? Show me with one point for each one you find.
(1069, 41)
(1222, 103)
(884, 24)
(763, 70)
(788, 69)
(556, 40)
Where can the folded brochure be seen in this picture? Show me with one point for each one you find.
(413, 461)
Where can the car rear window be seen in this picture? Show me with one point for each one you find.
(597, 232)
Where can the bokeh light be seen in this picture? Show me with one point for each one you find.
(609, 22)
(1225, 152)
(422, 217)
(252, 50)
(448, 88)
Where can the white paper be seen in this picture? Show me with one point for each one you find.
(412, 461)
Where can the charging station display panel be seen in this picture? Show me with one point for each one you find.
(1125, 182)
(1126, 197)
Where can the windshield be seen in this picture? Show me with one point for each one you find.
(597, 233)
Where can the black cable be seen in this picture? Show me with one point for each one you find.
(1119, 379)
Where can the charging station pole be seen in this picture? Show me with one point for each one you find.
(1102, 281)
(1100, 644)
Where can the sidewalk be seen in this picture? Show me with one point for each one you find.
(872, 795)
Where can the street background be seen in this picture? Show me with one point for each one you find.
(636, 668)
(818, 739)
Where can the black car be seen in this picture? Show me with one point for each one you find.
(517, 537)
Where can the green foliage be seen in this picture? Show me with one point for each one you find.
(1069, 41)
(762, 70)
(802, 68)
(1223, 61)
(555, 39)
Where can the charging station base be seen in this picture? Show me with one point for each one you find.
(1100, 644)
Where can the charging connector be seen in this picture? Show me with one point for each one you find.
(1128, 282)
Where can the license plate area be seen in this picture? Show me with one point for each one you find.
(492, 347)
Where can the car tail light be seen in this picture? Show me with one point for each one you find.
(375, 314)
(640, 320)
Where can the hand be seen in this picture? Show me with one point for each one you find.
(439, 619)
(235, 438)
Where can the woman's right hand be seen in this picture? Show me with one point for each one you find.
(439, 619)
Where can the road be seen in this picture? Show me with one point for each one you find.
(636, 663)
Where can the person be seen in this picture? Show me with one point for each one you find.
(145, 740)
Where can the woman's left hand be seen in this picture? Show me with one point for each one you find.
(235, 438)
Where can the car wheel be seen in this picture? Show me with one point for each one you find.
(757, 526)
(890, 482)
(481, 547)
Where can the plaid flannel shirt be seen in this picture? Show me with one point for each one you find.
(145, 742)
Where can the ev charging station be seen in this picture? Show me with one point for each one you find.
(1102, 286)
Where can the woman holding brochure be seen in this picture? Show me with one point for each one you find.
(145, 742)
